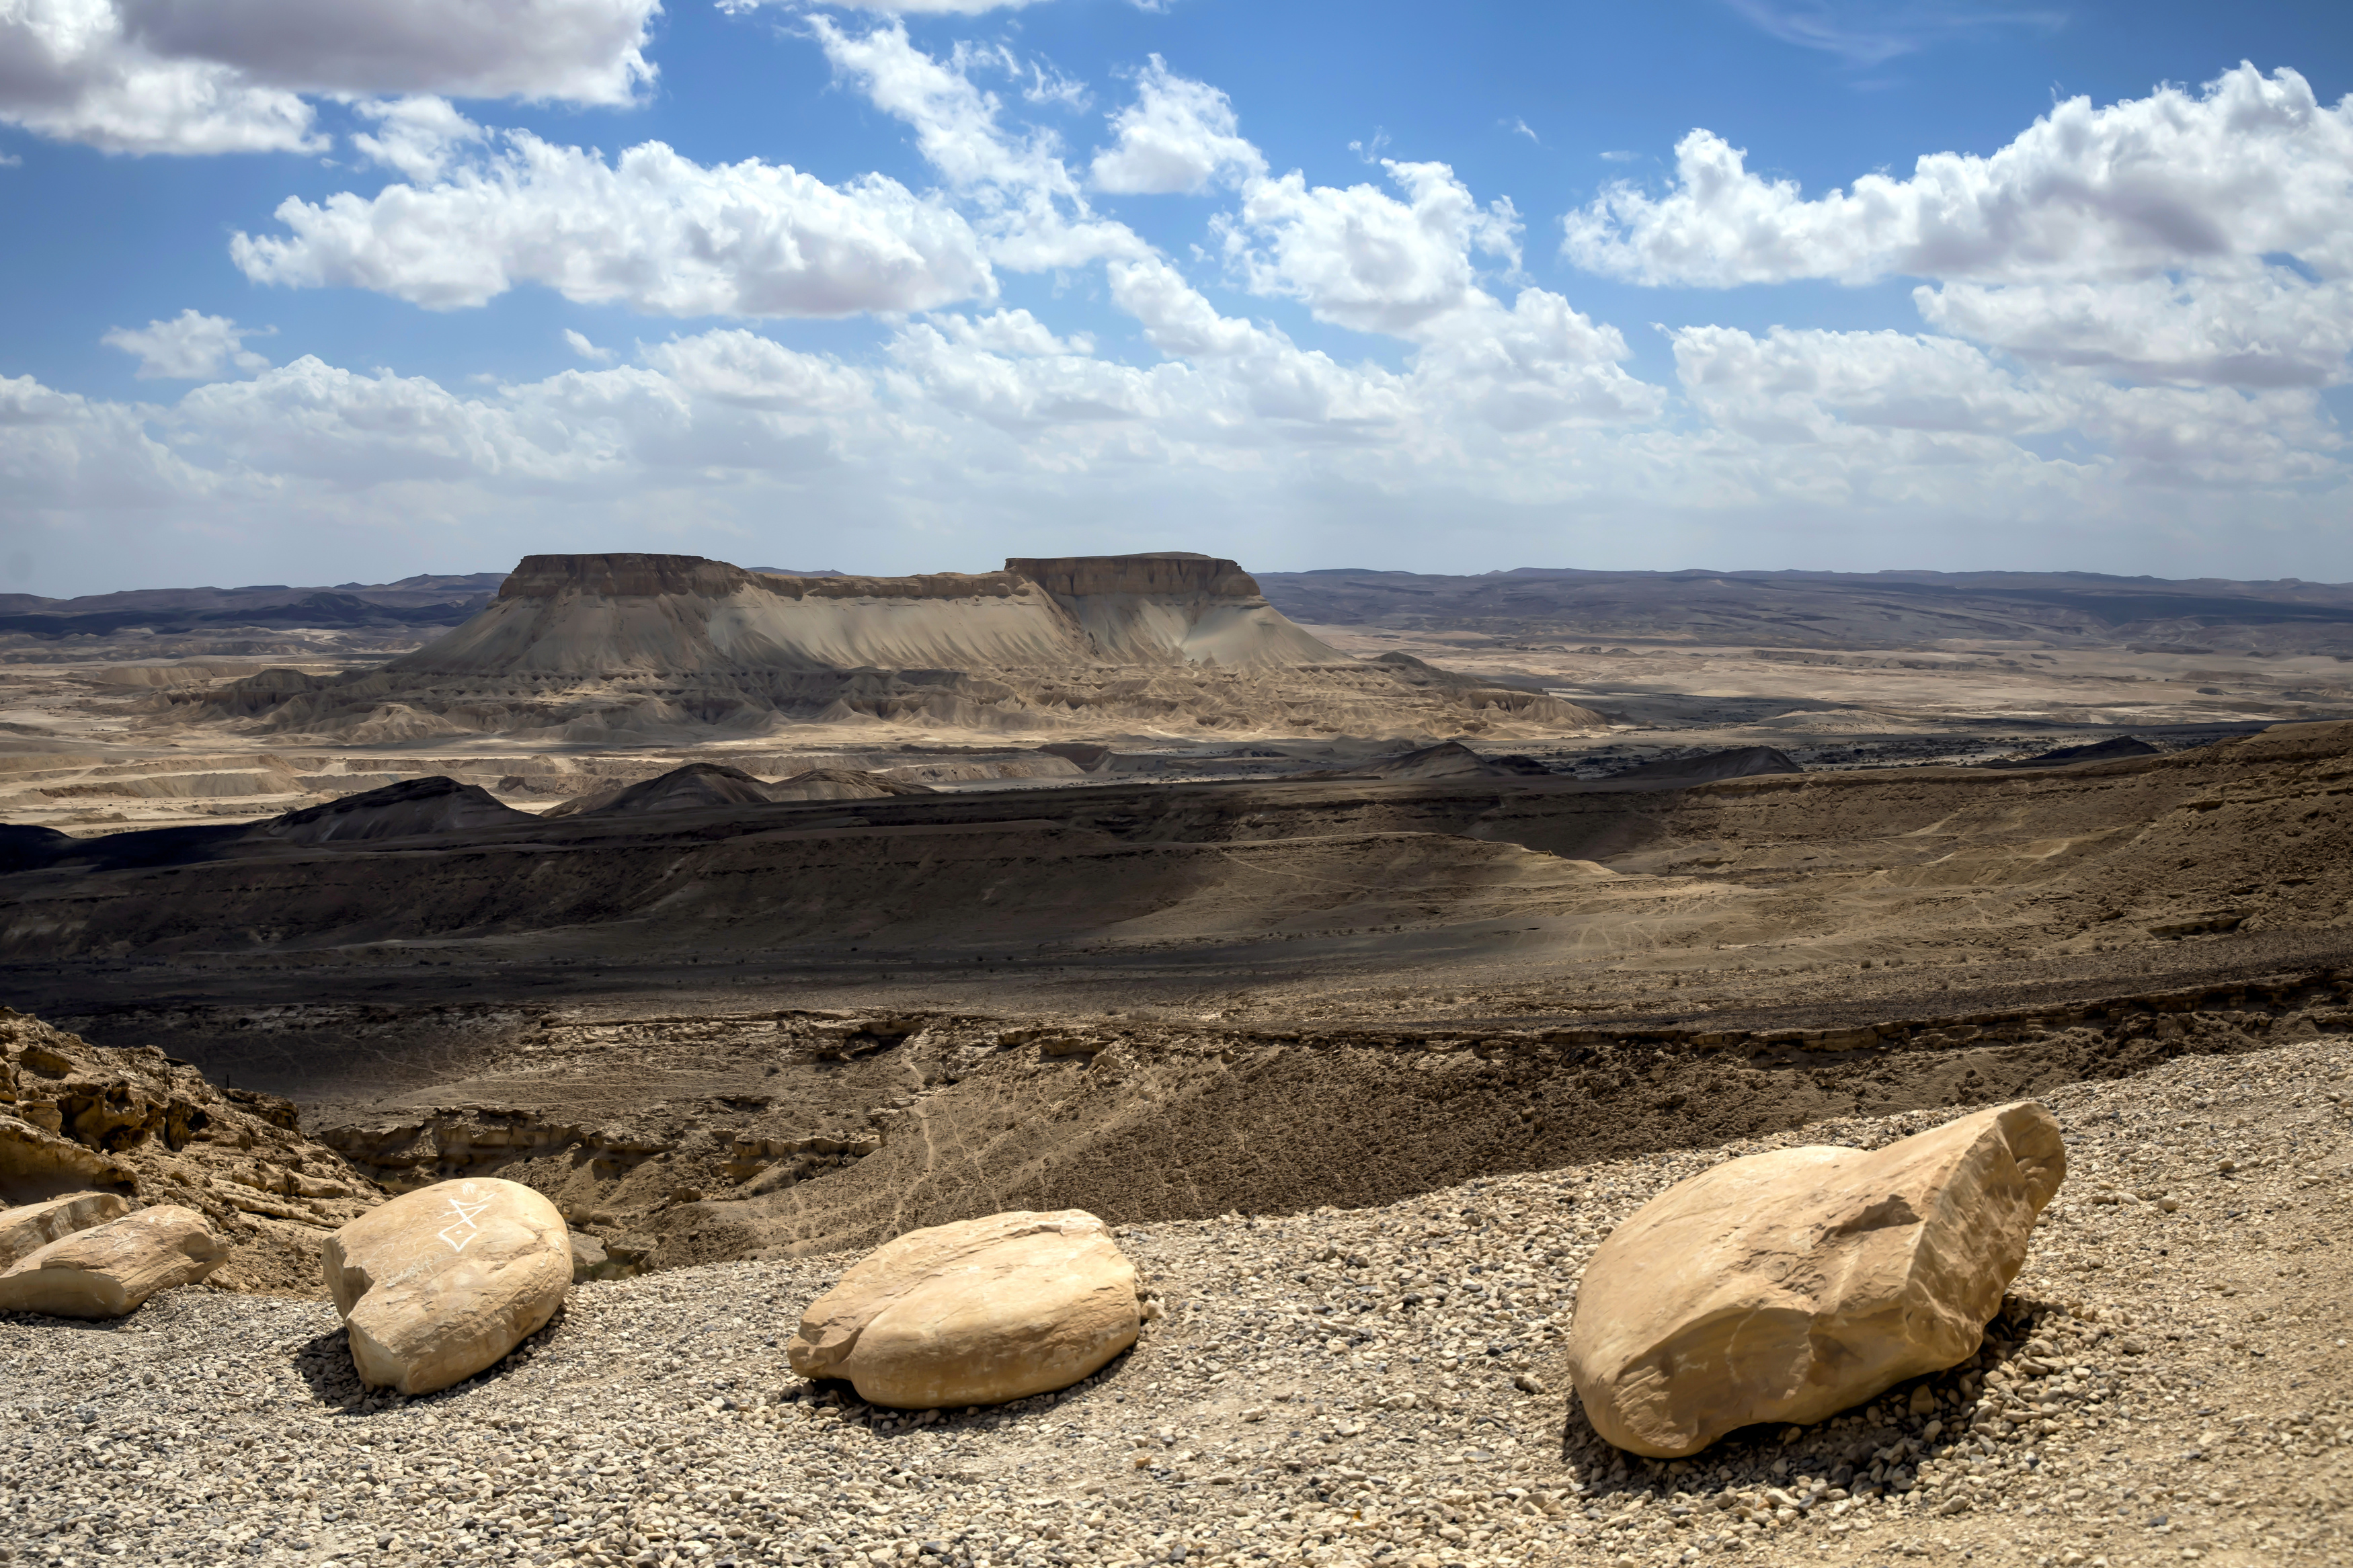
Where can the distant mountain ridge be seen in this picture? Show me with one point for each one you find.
(1794, 608)
(1771, 608)
(420, 601)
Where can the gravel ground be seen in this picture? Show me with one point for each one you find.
(2169, 1382)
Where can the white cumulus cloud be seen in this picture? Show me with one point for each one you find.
(1540, 362)
(741, 367)
(71, 70)
(64, 458)
(1806, 384)
(2266, 328)
(1013, 332)
(314, 420)
(957, 122)
(1887, 404)
(419, 135)
(1359, 257)
(1252, 372)
(2251, 166)
(228, 76)
(652, 230)
(191, 346)
(1175, 138)
(1023, 198)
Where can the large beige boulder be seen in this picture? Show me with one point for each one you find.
(974, 1313)
(25, 1231)
(1789, 1286)
(109, 1268)
(441, 1282)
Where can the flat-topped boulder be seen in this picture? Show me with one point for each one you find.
(442, 1282)
(1787, 1287)
(977, 1313)
(108, 1270)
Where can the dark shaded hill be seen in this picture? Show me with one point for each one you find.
(2106, 751)
(1742, 761)
(2243, 835)
(323, 609)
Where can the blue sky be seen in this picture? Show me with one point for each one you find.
(314, 294)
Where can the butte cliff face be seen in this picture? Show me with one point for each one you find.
(637, 647)
(1192, 609)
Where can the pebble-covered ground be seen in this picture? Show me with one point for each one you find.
(2169, 1382)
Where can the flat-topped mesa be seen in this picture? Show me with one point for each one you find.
(596, 616)
(594, 649)
(617, 615)
(1168, 572)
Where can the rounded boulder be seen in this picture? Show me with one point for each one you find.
(1790, 1286)
(443, 1281)
(977, 1313)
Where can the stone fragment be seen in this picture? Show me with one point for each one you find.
(109, 1268)
(25, 1231)
(591, 1259)
(443, 1281)
(1787, 1287)
(977, 1312)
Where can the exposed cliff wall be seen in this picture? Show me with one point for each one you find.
(1175, 608)
(1169, 574)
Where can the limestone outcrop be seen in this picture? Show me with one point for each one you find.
(443, 1281)
(39, 1161)
(1789, 1286)
(977, 1312)
(79, 1117)
(108, 1270)
(25, 1231)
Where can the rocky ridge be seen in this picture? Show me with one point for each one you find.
(2167, 1382)
(679, 1139)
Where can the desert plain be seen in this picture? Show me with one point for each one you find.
(1362, 949)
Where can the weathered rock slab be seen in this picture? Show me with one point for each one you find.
(25, 1231)
(36, 1226)
(443, 1281)
(977, 1313)
(1787, 1287)
(108, 1270)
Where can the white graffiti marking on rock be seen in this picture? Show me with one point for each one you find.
(465, 1230)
